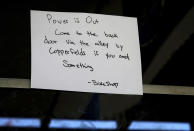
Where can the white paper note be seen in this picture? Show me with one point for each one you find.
(85, 52)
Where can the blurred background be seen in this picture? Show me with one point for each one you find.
(166, 33)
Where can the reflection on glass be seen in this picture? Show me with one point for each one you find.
(20, 122)
(149, 125)
(82, 124)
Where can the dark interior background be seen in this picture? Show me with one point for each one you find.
(156, 21)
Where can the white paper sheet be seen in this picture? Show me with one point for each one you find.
(85, 52)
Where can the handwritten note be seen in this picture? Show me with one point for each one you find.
(85, 52)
